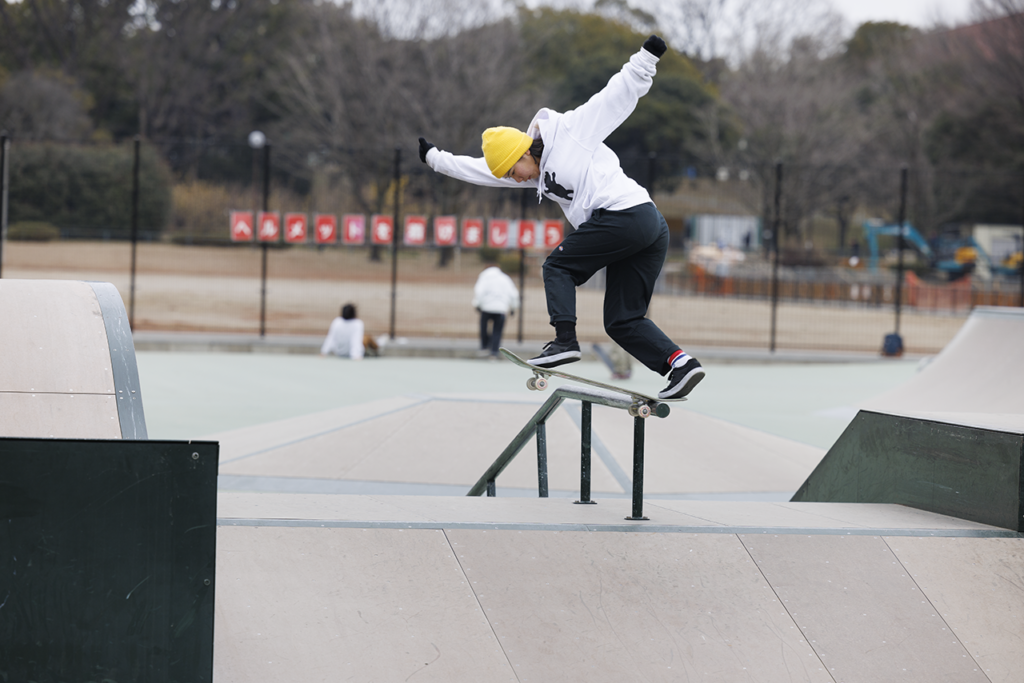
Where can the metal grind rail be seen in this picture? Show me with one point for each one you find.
(538, 425)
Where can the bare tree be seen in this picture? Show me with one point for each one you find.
(994, 50)
(199, 69)
(795, 110)
(430, 19)
(353, 94)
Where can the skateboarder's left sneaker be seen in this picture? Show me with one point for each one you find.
(557, 353)
(682, 380)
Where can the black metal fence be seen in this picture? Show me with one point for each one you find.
(380, 229)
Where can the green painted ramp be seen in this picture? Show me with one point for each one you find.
(966, 472)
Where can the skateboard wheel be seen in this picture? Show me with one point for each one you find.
(643, 411)
(531, 384)
(540, 383)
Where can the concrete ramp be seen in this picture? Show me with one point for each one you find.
(966, 472)
(395, 588)
(443, 443)
(975, 380)
(69, 362)
(950, 440)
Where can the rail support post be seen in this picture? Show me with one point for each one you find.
(638, 470)
(542, 460)
(585, 441)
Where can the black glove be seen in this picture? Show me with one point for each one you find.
(426, 147)
(655, 45)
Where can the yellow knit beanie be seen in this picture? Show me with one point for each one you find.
(503, 147)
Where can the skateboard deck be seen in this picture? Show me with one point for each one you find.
(643, 405)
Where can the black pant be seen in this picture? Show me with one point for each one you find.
(492, 340)
(632, 245)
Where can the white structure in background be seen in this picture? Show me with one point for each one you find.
(737, 232)
(1000, 242)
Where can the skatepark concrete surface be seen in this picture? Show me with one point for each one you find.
(428, 425)
(382, 588)
(347, 549)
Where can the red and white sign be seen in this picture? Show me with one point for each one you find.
(497, 233)
(295, 227)
(445, 231)
(415, 234)
(382, 229)
(269, 223)
(325, 229)
(241, 226)
(473, 232)
(552, 233)
(527, 234)
(353, 228)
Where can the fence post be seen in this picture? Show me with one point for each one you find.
(4, 145)
(394, 239)
(899, 244)
(523, 198)
(776, 227)
(135, 231)
(263, 271)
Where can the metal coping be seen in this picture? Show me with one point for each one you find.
(997, 312)
(633, 528)
(122, 361)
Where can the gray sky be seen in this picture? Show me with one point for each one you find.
(919, 13)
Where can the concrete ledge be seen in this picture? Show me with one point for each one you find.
(437, 347)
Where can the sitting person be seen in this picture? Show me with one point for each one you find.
(346, 336)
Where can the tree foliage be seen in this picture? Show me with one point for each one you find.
(81, 186)
(573, 55)
(338, 86)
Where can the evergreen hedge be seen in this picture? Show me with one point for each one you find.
(88, 187)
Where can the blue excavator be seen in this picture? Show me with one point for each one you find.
(952, 254)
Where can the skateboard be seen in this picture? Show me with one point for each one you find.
(643, 405)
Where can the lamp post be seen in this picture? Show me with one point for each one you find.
(135, 229)
(258, 141)
(776, 228)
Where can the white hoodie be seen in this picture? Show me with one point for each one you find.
(495, 292)
(344, 338)
(577, 170)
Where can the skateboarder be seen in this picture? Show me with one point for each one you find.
(616, 224)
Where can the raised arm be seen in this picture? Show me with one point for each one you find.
(592, 122)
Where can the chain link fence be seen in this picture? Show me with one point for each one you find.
(155, 220)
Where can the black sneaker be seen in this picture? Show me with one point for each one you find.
(557, 353)
(682, 380)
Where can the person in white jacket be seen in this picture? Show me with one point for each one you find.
(495, 297)
(345, 335)
(617, 226)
